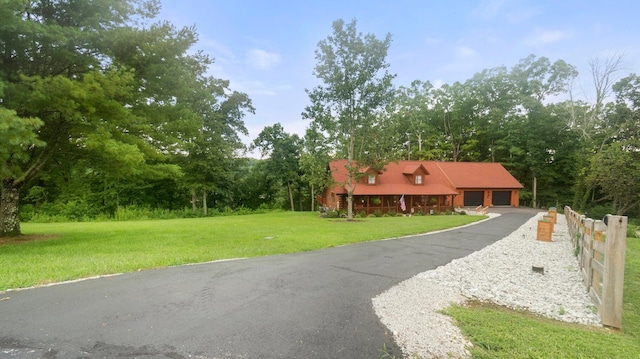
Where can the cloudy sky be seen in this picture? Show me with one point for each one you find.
(266, 47)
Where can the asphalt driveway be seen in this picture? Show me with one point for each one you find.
(307, 305)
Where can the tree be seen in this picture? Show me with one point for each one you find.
(283, 151)
(351, 101)
(314, 160)
(597, 123)
(96, 84)
(18, 135)
(208, 163)
(615, 171)
(415, 116)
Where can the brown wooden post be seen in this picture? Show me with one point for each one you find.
(613, 281)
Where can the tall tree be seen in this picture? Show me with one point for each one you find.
(313, 161)
(208, 163)
(615, 168)
(415, 116)
(283, 152)
(109, 89)
(356, 88)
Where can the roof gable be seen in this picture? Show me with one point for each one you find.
(414, 169)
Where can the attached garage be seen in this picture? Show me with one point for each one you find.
(501, 198)
(473, 198)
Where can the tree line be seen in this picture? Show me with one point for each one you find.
(102, 107)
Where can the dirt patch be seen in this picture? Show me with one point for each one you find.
(28, 238)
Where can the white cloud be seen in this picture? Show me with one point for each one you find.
(262, 60)
(219, 51)
(465, 51)
(545, 37)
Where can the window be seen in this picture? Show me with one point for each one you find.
(372, 179)
(418, 179)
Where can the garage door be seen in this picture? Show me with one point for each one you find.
(501, 198)
(473, 198)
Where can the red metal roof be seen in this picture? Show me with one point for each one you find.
(479, 175)
(441, 178)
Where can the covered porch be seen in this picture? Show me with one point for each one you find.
(413, 204)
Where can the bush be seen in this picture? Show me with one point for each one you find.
(598, 212)
(332, 214)
(27, 212)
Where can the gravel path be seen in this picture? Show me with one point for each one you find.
(501, 273)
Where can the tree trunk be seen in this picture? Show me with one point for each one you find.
(194, 201)
(9, 210)
(313, 198)
(290, 197)
(204, 202)
(535, 192)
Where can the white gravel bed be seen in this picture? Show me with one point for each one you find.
(500, 273)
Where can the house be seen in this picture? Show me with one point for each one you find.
(423, 187)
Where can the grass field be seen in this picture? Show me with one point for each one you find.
(56, 252)
(498, 333)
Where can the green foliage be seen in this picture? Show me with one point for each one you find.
(349, 105)
(109, 97)
(598, 211)
(81, 211)
(334, 214)
(283, 151)
(18, 135)
(615, 170)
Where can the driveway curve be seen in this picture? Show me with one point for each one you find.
(305, 305)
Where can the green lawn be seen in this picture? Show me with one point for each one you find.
(501, 333)
(56, 252)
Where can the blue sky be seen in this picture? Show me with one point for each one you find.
(266, 48)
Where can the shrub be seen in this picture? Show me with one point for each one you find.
(332, 214)
(598, 212)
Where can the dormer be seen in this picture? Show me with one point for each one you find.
(370, 176)
(415, 173)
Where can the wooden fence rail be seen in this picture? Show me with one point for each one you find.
(600, 248)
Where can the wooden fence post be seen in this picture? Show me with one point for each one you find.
(613, 281)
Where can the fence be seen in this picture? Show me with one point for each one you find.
(600, 248)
